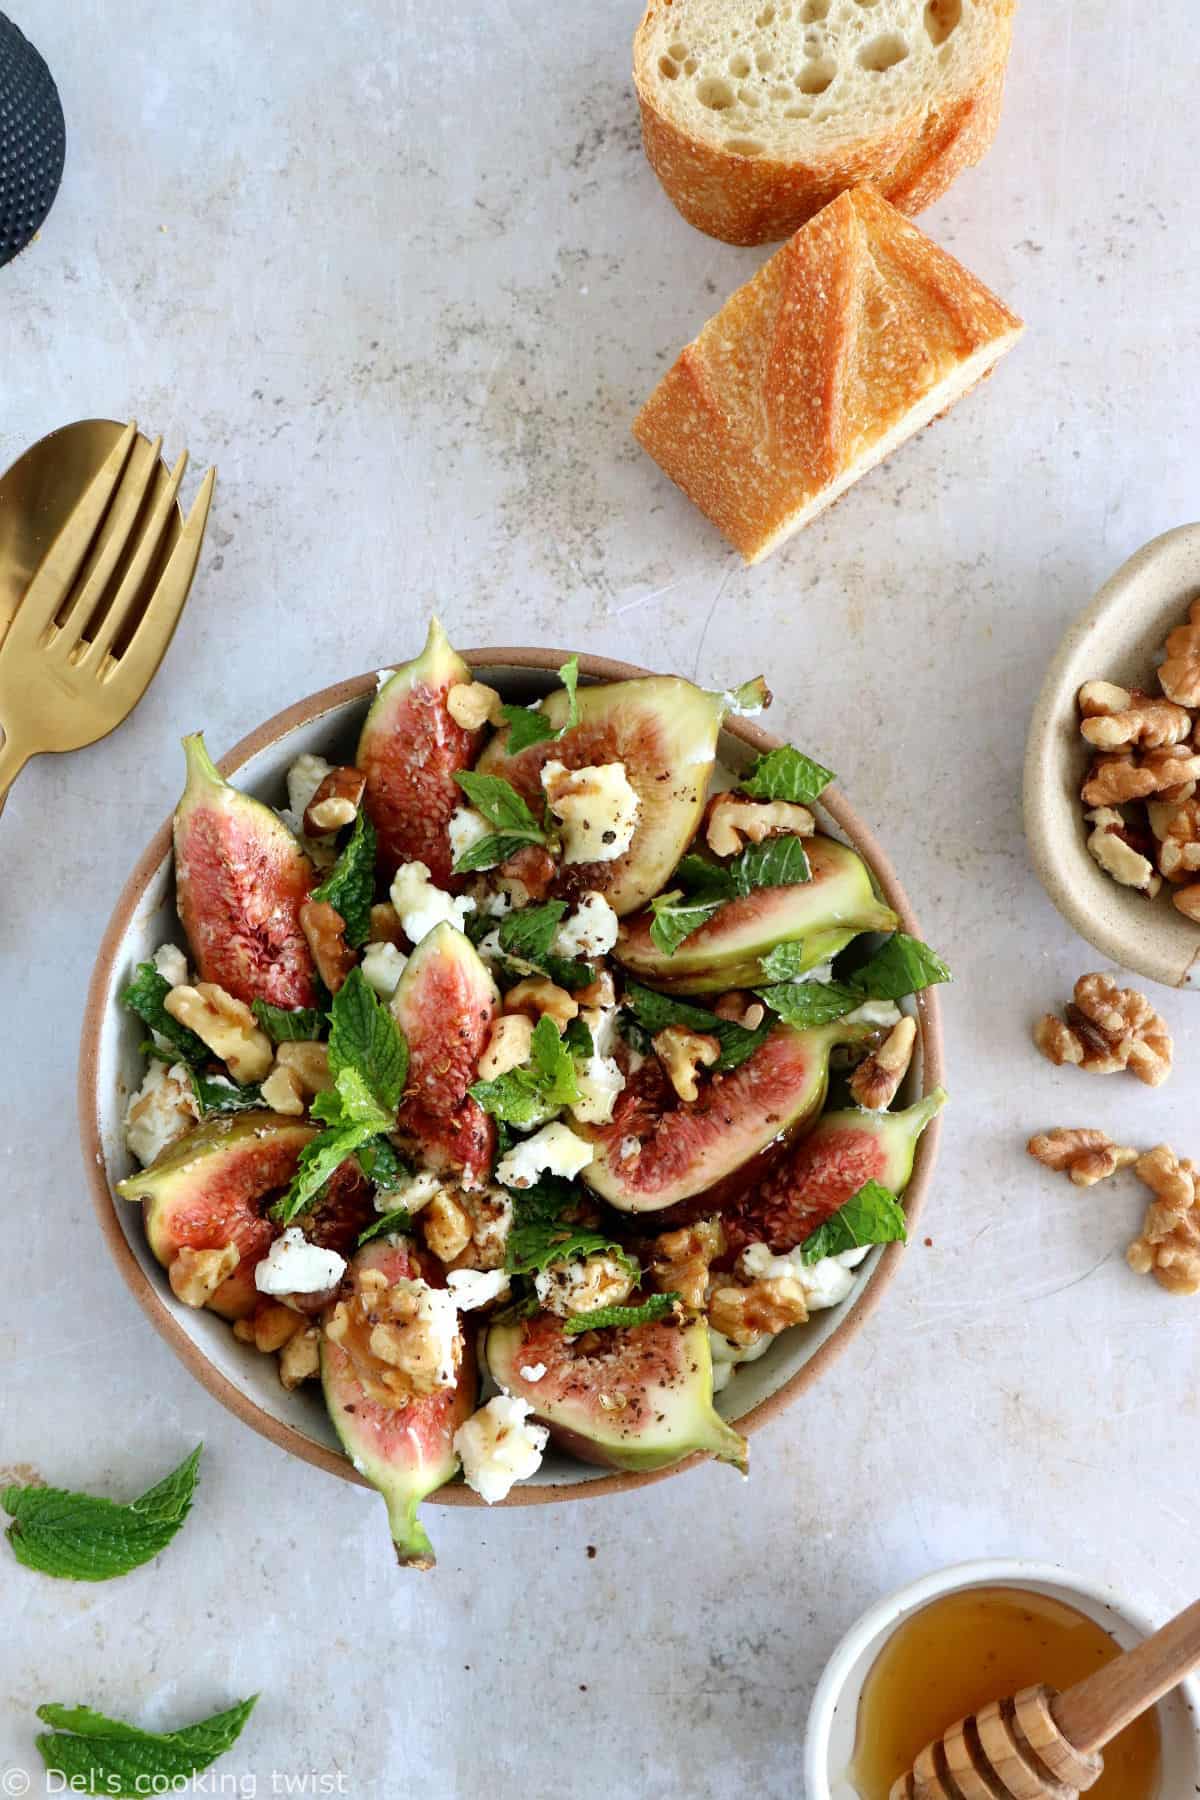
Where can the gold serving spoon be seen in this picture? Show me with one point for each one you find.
(87, 620)
(1042, 1745)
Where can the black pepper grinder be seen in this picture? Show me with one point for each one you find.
(33, 140)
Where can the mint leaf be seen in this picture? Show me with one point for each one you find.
(216, 1094)
(654, 1011)
(399, 1219)
(366, 1042)
(527, 725)
(534, 1246)
(547, 1082)
(621, 1318)
(501, 805)
(529, 933)
(579, 1040)
(288, 1025)
(487, 852)
(904, 965)
(776, 862)
(80, 1537)
(705, 880)
(381, 1163)
(320, 1158)
(805, 1003)
(92, 1754)
(144, 996)
(676, 917)
(350, 885)
(783, 962)
(786, 774)
(871, 1216)
(549, 1199)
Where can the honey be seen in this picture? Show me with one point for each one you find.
(980, 1644)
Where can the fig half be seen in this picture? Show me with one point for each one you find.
(444, 1004)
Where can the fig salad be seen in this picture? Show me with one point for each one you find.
(525, 1078)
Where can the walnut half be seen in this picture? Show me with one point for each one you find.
(1086, 1155)
(1108, 1028)
(226, 1025)
(682, 1054)
(1168, 1246)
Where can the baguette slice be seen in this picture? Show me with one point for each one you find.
(856, 333)
(756, 113)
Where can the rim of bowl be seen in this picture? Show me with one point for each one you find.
(881, 1620)
(144, 1290)
(1126, 943)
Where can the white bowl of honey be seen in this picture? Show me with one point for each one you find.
(946, 1645)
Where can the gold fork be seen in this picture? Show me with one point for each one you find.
(99, 614)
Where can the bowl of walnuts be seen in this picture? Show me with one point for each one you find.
(1112, 766)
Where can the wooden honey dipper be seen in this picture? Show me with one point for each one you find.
(1043, 1745)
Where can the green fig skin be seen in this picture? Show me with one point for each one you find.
(824, 914)
(662, 1373)
(240, 881)
(410, 750)
(664, 731)
(444, 1004)
(406, 1453)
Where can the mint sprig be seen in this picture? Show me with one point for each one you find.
(621, 1318)
(289, 1025)
(513, 825)
(807, 1003)
(144, 996)
(901, 966)
(529, 1094)
(528, 725)
(529, 933)
(216, 1094)
(871, 1216)
(350, 885)
(786, 774)
(82, 1537)
(90, 1753)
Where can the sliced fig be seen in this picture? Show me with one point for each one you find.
(405, 1452)
(409, 751)
(664, 730)
(444, 1004)
(827, 1168)
(658, 1150)
(824, 913)
(210, 1189)
(631, 1399)
(240, 881)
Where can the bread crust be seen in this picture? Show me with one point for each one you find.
(851, 336)
(760, 199)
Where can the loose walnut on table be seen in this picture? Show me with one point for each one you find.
(1168, 1246)
(1108, 1028)
(1086, 1155)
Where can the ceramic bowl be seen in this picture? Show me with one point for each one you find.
(1119, 638)
(829, 1742)
(111, 1067)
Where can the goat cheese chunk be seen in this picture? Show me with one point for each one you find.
(726, 1356)
(498, 1447)
(303, 779)
(466, 827)
(599, 1079)
(382, 967)
(171, 964)
(597, 807)
(582, 1285)
(413, 1192)
(163, 1108)
(874, 1012)
(554, 1150)
(591, 930)
(825, 1283)
(476, 1287)
(294, 1266)
(422, 906)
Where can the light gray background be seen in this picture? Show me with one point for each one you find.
(403, 273)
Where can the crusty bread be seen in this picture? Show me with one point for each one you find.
(856, 333)
(756, 113)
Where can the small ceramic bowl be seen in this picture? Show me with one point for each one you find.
(829, 1742)
(112, 1067)
(1119, 638)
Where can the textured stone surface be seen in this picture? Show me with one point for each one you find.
(403, 274)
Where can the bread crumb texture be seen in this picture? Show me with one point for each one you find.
(856, 333)
(756, 113)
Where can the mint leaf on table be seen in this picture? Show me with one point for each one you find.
(350, 884)
(81, 1537)
(871, 1216)
(144, 996)
(528, 725)
(623, 1318)
(903, 965)
(786, 774)
(93, 1754)
(654, 1012)
(806, 1003)
(399, 1219)
(289, 1025)
(545, 1083)
(217, 1094)
(528, 935)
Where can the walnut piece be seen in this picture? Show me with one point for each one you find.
(1101, 699)
(1108, 1028)
(195, 1275)
(568, 1287)
(508, 1046)
(1145, 722)
(681, 1260)
(875, 1080)
(1119, 777)
(385, 926)
(1177, 829)
(682, 1054)
(1086, 1155)
(1168, 1246)
(1187, 899)
(269, 1326)
(1179, 675)
(402, 1338)
(226, 1025)
(1110, 845)
(308, 1061)
(740, 1009)
(300, 1358)
(733, 821)
(446, 1226)
(325, 929)
(539, 998)
(335, 802)
(473, 703)
(757, 1309)
(283, 1091)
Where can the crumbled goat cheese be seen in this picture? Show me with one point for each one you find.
(303, 779)
(466, 827)
(294, 1266)
(591, 930)
(496, 905)
(874, 1012)
(422, 906)
(476, 1287)
(581, 1286)
(819, 972)
(498, 1447)
(413, 1192)
(726, 1356)
(171, 964)
(825, 1283)
(600, 1081)
(597, 806)
(532, 1371)
(163, 1108)
(435, 1328)
(382, 967)
(382, 677)
(555, 1148)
